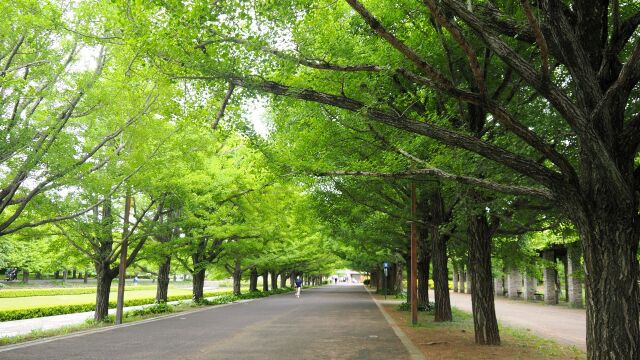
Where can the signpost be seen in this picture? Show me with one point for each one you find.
(414, 260)
(385, 266)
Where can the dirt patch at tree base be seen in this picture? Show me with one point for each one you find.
(455, 340)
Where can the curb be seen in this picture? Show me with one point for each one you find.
(414, 352)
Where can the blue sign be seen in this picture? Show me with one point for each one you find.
(385, 265)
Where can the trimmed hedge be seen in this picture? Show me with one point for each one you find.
(71, 309)
(46, 292)
(11, 293)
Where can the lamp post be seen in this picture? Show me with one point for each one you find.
(414, 260)
(123, 259)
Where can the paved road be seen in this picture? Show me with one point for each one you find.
(25, 326)
(567, 326)
(332, 322)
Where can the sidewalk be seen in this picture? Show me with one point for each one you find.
(565, 325)
(21, 327)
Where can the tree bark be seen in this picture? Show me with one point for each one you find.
(253, 279)
(164, 273)
(265, 281)
(440, 277)
(283, 280)
(104, 278)
(73, 276)
(407, 260)
(484, 314)
(237, 281)
(423, 278)
(610, 244)
(85, 279)
(274, 280)
(395, 283)
(198, 285)
(25, 276)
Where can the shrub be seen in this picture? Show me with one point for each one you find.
(71, 309)
(11, 293)
(160, 308)
(405, 306)
(46, 292)
(367, 282)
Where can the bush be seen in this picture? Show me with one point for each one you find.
(46, 292)
(367, 282)
(71, 309)
(405, 306)
(11, 293)
(160, 308)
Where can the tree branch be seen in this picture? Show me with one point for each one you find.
(223, 106)
(311, 63)
(467, 180)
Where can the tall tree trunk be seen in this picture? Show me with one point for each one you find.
(265, 281)
(274, 280)
(407, 260)
(198, 285)
(423, 278)
(610, 247)
(74, 274)
(85, 279)
(104, 278)
(237, 277)
(396, 284)
(440, 277)
(25, 276)
(253, 279)
(64, 275)
(164, 273)
(283, 280)
(484, 313)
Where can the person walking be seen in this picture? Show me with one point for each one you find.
(298, 286)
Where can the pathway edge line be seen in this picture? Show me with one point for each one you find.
(414, 352)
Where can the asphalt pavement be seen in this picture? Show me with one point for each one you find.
(331, 322)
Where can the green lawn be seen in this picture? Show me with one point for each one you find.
(45, 301)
